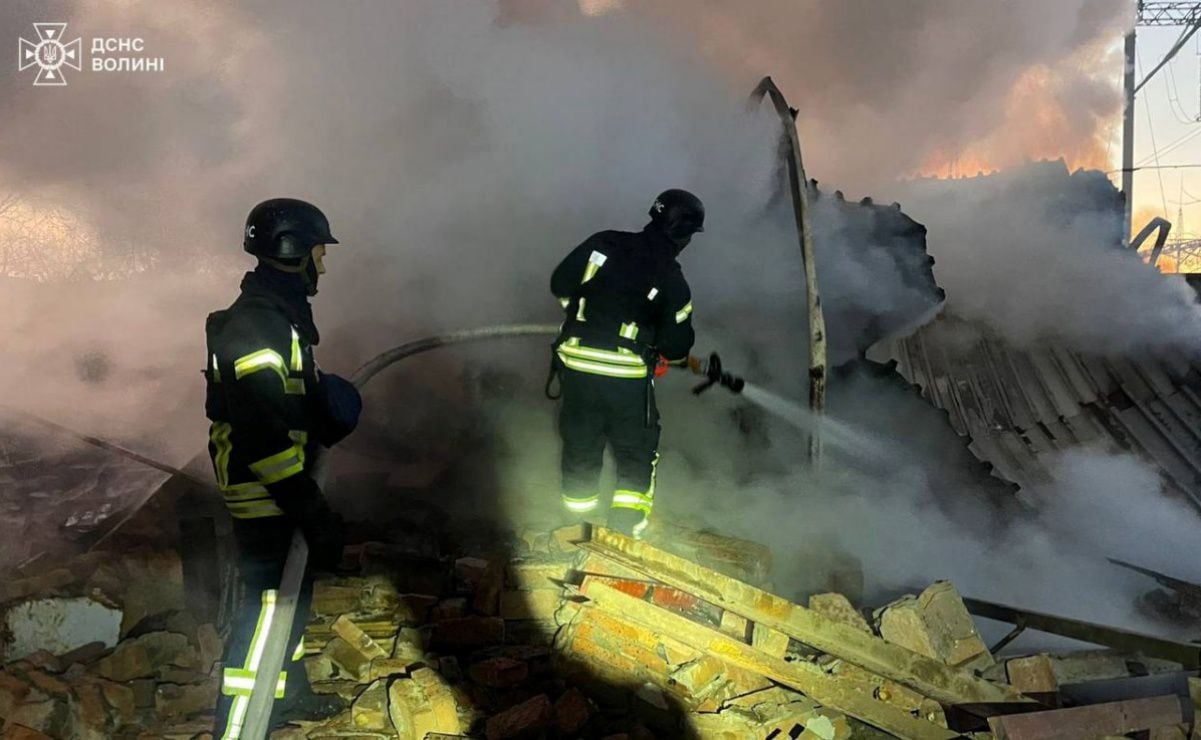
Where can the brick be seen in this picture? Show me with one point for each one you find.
(409, 645)
(88, 717)
(356, 638)
(370, 709)
(48, 684)
(455, 608)
(83, 655)
(528, 719)
(12, 692)
(468, 633)
(414, 609)
(175, 701)
(143, 692)
(121, 699)
(487, 592)
(565, 539)
(421, 705)
(1032, 675)
(935, 624)
(734, 625)
(540, 605)
(839, 608)
(470, 571)
(499, 672)
(210, 645)
(129, 660)
(769, 641)
(571, 712)
(48, 716)
(388, 667)
(534, 574)
(350, 660)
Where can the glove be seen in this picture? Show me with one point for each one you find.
(302, 501)
(341, 406)
(661, 367)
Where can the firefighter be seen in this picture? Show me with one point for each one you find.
(628, 312)
(270, 409)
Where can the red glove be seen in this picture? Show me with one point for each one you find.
(661, 367)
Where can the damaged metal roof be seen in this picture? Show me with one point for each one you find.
(1018, 407)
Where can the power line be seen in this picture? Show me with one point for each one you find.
(1151, 129)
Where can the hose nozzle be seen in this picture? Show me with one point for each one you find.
(714, 375)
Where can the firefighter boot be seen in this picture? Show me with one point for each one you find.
(630, 522)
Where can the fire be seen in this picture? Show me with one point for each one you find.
(1037, 124)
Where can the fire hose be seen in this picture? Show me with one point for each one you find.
(258, 713)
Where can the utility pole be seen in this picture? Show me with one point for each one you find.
(1128, 137)
(1149, 13)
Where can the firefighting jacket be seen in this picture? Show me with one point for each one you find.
(262, 400)
(626, 303)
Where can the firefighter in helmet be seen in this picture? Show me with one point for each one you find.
(628, 313)
(270, 409)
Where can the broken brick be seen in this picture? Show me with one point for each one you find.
(370, 709)
(1032, 675)
(12, 692)
(470, 571)
(937, 625)
(838, 608)
(178, 701)
(528, 719)
(533, 574)
(357, 639)
(345, 656)
(499, 672)
(487, 592)
(571, 712)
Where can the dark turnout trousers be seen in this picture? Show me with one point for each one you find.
(263, 546)
(598, 410)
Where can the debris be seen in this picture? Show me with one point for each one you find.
(1032, 675)
(935, 624)
(572, 711)
(1115, 718)
(57, 626)
(527, 719)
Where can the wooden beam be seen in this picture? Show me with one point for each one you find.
(807, 678)
(1114, 718)
(920, 673)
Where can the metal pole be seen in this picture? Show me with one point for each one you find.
(1128, 139)
(800, 205)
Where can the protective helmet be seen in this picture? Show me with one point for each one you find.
(679, 214)
(285, 229)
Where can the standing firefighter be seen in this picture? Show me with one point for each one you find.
(270, 408)
(628, 313)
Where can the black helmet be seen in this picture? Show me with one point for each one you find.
(679, 214)
(285, 229)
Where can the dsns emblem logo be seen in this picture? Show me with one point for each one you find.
(49, 54)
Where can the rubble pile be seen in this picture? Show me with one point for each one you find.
(582, 632)
(585, 633)
(102, 648)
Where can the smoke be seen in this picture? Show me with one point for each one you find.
(1049, 244)
(461, 150)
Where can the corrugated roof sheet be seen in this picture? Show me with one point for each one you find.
(1018, 407)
